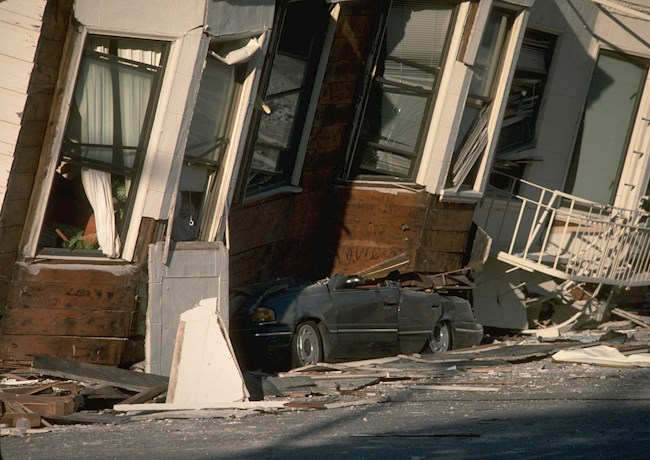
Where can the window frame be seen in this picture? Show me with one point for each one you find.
(430, 105)
(307, 104)
(208, 214)
(509, 56)
(52, 151)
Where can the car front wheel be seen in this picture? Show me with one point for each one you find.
(306, 346)
(440, 338)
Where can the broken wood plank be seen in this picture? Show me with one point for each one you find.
(10, 418)
(146, 395)
(631, 317)
(305, 405)
(85, 418)
(93, 373)
(256, 405)
(454, 388)
(43, 404)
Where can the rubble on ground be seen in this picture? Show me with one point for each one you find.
(53, 391)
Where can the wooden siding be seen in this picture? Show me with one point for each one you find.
(375, 226)
(20, 29)
(32, 34)
(70, 311)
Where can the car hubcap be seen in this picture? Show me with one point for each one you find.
(308, 345)
(439, 338)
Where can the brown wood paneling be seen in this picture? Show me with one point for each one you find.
(355, 258)
(69, 310)
(70, 295)
(96, 350)
(450, 216)
(444, 240)
(86, 323)
(438, 262)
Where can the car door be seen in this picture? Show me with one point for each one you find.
(366, 324)
(418, 313)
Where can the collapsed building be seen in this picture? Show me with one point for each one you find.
(157, 153)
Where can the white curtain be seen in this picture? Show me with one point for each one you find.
(94, 97)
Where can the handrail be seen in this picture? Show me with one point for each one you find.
(566, 236)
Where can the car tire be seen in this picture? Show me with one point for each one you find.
(440, 338)
(306, 345)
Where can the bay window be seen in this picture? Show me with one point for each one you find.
(402, 87)
(285, 92)
(103, 146)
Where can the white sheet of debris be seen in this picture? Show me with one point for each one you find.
(603, 355)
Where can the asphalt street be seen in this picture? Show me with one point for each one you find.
(538, 409)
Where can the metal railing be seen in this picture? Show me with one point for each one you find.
(564, 236)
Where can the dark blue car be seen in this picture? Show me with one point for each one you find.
(291, 324)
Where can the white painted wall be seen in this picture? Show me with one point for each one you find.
(583, 28)
(20, 29)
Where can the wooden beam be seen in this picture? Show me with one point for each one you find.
(92, 373)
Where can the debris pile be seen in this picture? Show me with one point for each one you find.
(55, 391)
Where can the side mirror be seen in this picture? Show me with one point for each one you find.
(354, 281)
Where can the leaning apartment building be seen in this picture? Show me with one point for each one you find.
(154, 153)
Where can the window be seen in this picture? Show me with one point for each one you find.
(105, 138)
(611, 109)
(286, 89)
(207, 141)
(472, 138)
(517, 136)
(402, 88)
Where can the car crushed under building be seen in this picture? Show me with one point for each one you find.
(287, 323)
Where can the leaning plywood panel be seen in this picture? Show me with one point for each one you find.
(204, 368)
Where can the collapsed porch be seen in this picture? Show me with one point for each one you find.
(578, 245)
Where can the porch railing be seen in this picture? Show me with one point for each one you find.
(565, 236)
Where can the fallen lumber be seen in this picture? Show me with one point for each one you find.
(260, 405)
(631, 317)
(43, 404)
(95, 373)
(146, 395)
(454, 388)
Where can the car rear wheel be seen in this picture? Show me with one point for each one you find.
(306, 346)
(440, 338)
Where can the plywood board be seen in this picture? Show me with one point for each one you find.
(204, 367)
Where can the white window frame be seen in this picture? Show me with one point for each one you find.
(51, 150)
(293, 186)
(494, 121)
(430, 117)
